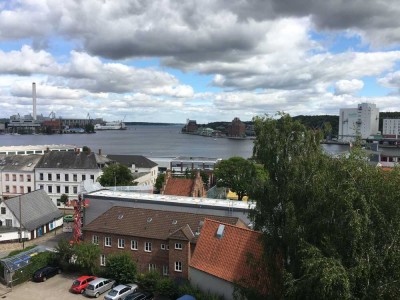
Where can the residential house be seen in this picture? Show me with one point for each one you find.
(17, 175)
(28, 216)
(143, 169)
(62, 172)
(189, 187)
(223, 257)
(156, 239)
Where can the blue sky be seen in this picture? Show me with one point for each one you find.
(167, 61)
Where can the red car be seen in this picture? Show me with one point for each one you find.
(79, 285)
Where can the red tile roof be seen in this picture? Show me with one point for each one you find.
(179, 187)
(226, 257)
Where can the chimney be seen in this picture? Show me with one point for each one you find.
(99, 151)
(34, 99)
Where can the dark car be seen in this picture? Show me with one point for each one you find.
(140, 296)
(46, 272)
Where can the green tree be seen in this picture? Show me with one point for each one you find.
(121, 267)
(159, 182)
(331, 226)
(148, 281)
(116, 175)
(236, 173)
(87, 256)
(64, 200)
(64, 252)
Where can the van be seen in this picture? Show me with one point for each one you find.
(99, 286)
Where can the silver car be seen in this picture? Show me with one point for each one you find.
(99, 286)
(121, 291)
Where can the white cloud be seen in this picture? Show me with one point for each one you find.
(348, 86)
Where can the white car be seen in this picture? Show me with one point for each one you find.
(121, 291)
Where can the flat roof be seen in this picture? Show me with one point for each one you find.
(36, 147)
(174, 200)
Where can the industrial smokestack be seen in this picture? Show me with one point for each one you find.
(34, 99)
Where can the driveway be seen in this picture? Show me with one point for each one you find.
(54, 288)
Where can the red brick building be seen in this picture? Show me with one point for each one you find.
(162, 240)
(184, 186)
(237, 128)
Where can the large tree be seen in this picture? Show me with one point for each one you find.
(87, 256)
(121, 267)
(331, 226)
(236, 173)
(116, 175)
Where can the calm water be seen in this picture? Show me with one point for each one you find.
(153, 141)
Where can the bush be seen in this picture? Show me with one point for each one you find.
(148, 281)
(166, 287)
(121, 267)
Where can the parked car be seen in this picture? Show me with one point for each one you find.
(46, 272)
(79, 285)
(121, 291)
(99, 286)
(68, 218)
(140, 296)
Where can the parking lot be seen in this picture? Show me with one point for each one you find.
(56, 288)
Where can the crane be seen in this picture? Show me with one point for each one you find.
(78, 206)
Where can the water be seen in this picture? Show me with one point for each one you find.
(151, 141)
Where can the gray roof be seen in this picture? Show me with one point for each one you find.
(129, 160)
(68, 160)
(19, 162)
(37, 209)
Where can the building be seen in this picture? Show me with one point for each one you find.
(222, 256)
(236, 129)
(17, 175)
(391, 128)
(80, 122)
(362, 121)
(189, 187)
(156, 239)
(102, 200)
(62, 172)
(144, 170)
(36, 149)
(190, 127)
(28, 216)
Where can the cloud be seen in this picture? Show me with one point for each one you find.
(348, 86)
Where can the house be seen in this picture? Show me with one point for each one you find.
(17, 174)
(221, 258)
(236, 129)
(62, 172)
(156, 239)
(28, 216)
(189, 187)
(143, 169)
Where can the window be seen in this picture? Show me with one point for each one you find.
(58, 177)
(58, 202)
(162, 246)
(14, 189)
(83, 177)
(165, 270)
(50, 189)
(147, 247)
(121, 243)
(21, 177)
(58, 189)
(49, 177)
(152, 267)
(7, 188)
(66, 177)
(3, 210)
(67, 189)
(178, 266)
(178, 246)
(29, 189)
(107, 241)
(167, 247)
(102, 260)
(7, 177)
(95, 239)
(92, 177)
(74, 177)
(21, 189)
(41, 176)
(134, 245)
(41, 186)
(28, 178)
(75, 189)
(14, 177)
(9, 222)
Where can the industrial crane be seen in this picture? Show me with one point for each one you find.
(78, 205)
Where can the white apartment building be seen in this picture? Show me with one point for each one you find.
(391, 128)
(17, 176)
(144, 170)
(62, 173)
(362, 121)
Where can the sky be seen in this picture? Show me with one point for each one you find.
(210, 60)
